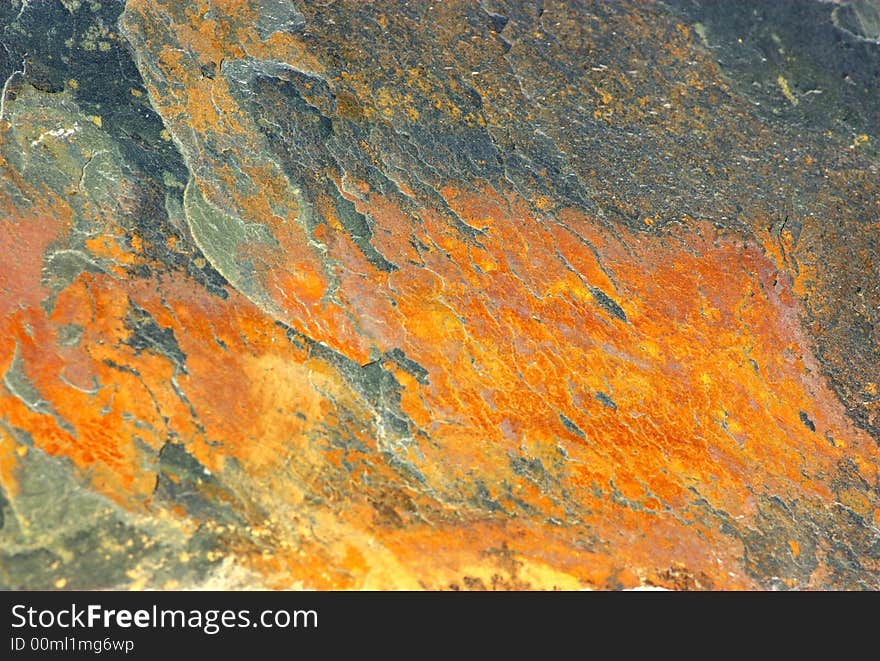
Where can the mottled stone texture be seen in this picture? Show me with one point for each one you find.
(439, 295)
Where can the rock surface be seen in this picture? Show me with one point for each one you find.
(505, 295)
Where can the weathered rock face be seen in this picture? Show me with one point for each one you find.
(474, 294)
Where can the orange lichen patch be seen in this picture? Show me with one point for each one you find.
(86, 418)
(108, 246)
(699, 370)
(704, 376)
(683, 419)
(237, 400)
(23, 241)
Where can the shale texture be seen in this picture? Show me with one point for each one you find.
(452, 295)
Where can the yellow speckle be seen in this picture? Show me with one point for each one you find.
(184, 557)
(199, 262)
(73, 83)
(786, 90)
(104, 46)
(60, 583)
(96, 120)
(544, 202)
(871, 388)
(136, 93)
(138, 584)
(648, 221)
(21, 450)
(860, 140)
(165, 135)
(651, 348)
